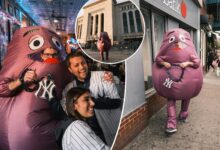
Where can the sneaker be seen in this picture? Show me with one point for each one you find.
(183, 116)
(170, 130)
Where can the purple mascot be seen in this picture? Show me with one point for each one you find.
(33, 57)
(177, 74)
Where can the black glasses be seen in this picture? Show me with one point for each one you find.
(50, 55)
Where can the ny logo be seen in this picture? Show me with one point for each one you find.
(168, 83)
(46, 89)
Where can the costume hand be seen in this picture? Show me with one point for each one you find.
(108, 76)
(166, 64)
(30, 76)
(186, 64)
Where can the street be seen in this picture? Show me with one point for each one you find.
(200, 132)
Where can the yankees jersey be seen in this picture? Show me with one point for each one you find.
(108, 119)
(79, 136)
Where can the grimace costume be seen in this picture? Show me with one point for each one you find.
(27, 122)
(176, 82)
(104, 45)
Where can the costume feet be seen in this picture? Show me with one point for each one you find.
(183, 116)
(170, 131)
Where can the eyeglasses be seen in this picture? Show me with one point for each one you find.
(51, 55)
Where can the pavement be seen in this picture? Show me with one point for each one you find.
(115, 55)
(200, 132)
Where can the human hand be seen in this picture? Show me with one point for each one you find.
(30, 76)
(166, 64)
(108, 76)
(186, 64)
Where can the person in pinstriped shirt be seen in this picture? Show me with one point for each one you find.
(106, 97)
(78, 135)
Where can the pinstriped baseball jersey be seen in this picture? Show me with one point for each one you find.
(79, 136)
(108, 119)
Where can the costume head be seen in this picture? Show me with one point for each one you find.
(27, 45)
(176, 82)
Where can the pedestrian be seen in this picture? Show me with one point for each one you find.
(108, 111)
(75, 133)
(218, 67)
(71, 43)
(104, 45)
(177, 74)
(210, 61)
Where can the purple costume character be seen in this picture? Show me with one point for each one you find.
(177, 74)
(27, 121)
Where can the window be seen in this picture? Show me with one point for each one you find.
(91, 25)
(102, 22)
(96, 24)
(155, 28)
(10, 10)
(80, 31)
(125, 22)
(1, 6)
(147, 52)
(17, 14)
(131, 21)
(78, 28)
(159, 30)
(138, 20)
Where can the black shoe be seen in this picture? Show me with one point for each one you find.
(182, 120)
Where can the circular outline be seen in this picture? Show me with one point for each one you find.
(143, 38)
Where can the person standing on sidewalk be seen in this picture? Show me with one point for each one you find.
(177, 74)
(218, 66)
(104, 45)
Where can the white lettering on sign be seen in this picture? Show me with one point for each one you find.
(173, 4)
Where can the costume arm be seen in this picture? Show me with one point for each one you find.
(79, 135)
(195, 60)
(160, 59)
(9, 87)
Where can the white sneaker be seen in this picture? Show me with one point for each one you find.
(170, 130)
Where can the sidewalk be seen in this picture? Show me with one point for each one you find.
(200, 132)
(115, 55)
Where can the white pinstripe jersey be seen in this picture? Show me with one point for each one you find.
(79, 136)
(108, 119)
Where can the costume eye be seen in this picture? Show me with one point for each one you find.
(36, 42)
(172, 39)
(57, 43)
(182, 38)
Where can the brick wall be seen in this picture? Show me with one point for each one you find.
(136, 121)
